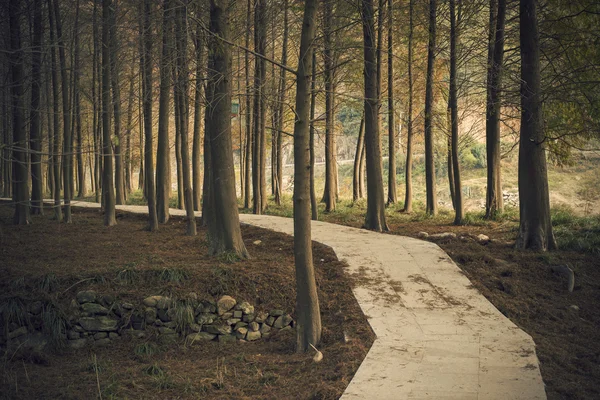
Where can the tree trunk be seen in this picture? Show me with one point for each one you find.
(493, 200)
(313, 102)
(96, 103)
(453, 103)
(35, 136)
(81, 186)
(248, 117)
(163, 178)
(280, 108)
(308, 330)
(50, 126)
(56, 121)
(360, 143)
(259, 146)
(108, 190)
(330, 190)
(392, 196)
(182, 89)
(375, 218)
(147, 97)
(197, 136)
(535, 230)
(223, 221)
(19, 143)
(431, 203)
(178, 162)
(128, 129)
(116, 92)
(409, 122)
(449, 158)
(67, 134)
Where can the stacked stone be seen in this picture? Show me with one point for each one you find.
(96, 319)
(93, 320)
(228, 320)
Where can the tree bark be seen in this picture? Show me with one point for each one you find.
(223, 221)
(431, 203)
(19, 142)
(197, 135)
(375, 218)
(108, 190)
(330, 190)
(35, 135)
(360, 143)
(493, 200)
(280, 109)
(535, 230)
(163, 178)
(182, 89)
(392, 196)
(147, 97)
(248, 116)
(453, 103)
(67, 134)
(259, 146)
(96, 103)
(409, 122)
(128, 129)
(56, 121)
(308, 330)
(313, 102)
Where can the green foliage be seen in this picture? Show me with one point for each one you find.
(172, 275)
(183, 315)
(229, 257)
(154, 370)
(576, 233)
(145, 350)
(127, 276)
(14, 310)
(54, 324)
(48, 283)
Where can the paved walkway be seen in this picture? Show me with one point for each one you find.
(437, 337)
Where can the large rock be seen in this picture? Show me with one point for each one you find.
(444, 235)
(218, 329)
(199, 337)
(245, 307)
(205, 319)
(77, 343)
(224, 304)
(252, 336)
(87, 296)
(94, 309)
(95, 324)
(276, 313)
(260, 317)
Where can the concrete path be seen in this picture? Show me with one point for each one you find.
(437, 336)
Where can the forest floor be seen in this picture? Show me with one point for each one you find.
(52, 262)
(564, 325)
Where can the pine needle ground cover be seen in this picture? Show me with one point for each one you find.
(51, 262)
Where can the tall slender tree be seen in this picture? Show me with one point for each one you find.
(19, 142)
(308, 331)
(223, 219)
(147, 84)
(108, 190)
(409, 118)
(259, 185)
(56, 120)
(535, 229)
(453, 105)
(35, 135)
(67, 157)
(197, 134)
(181, 93)
(330, 191)
(392, 196)
(493, 200)
(431, 201)
(375, 217)
(163, 170)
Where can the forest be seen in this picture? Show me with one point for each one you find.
(405, 117)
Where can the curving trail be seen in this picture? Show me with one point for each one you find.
(437, 336)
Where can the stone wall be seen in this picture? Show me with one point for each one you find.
(96, 319)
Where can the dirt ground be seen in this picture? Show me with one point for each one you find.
(52, 262)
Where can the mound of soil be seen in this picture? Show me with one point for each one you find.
(51, 261)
